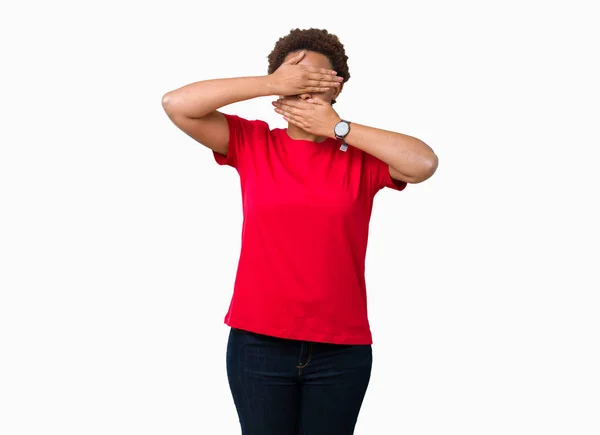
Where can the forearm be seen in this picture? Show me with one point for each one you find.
(198, 99)
(407, 155)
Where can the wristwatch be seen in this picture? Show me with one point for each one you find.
(341, 130)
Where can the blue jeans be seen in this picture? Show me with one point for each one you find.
(291, 387)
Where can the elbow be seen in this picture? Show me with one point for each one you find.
(432, 164)
(171, 104)
(427, 168)
(167, 102)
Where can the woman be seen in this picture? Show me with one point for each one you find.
(299, 350)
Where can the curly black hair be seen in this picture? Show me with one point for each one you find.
(317, 40)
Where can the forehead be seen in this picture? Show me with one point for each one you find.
(312, 58)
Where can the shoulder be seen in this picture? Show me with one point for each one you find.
(239, 122)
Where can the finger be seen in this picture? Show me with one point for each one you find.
(296, 106)
(325, 71)
(286, 103)
(288, 108)
(295, 122)
(324, 84)
(325, 78)
(295, 58)
(288, 115)
(317, 90)
(290, 112)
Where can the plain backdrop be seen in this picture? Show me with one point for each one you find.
(120, 235)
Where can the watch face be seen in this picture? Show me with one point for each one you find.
(342, 128)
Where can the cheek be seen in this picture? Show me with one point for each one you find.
(326, 96)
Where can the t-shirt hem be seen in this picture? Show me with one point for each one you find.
(305, 336)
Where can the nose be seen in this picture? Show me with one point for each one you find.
(305, 96)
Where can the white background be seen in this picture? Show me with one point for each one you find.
(120, 235)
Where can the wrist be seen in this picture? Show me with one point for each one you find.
(341, 129)
(331, 130)
(269, 86)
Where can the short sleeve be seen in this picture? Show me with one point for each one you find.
(242, 134)
(379, 173)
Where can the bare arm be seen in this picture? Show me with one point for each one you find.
(193, 108)
(409, 159)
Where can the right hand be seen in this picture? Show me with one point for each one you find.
(293, 79)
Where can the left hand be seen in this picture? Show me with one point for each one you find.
(313, 116)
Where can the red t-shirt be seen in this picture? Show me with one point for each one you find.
(306, 207)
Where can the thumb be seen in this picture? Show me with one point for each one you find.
(295, 59)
